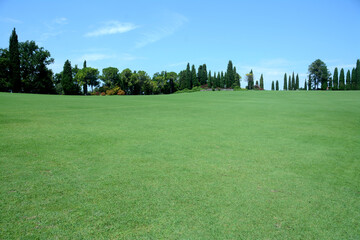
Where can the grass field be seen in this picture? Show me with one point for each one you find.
(207, 165)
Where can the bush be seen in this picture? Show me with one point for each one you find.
(110, 92)
(103, 94)
(194, 89)
(121, 92)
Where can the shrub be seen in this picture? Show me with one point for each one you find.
(121, 92)
(103, 94)
(110, 92)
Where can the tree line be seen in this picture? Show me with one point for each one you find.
(24, 68)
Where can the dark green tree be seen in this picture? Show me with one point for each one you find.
(348, 81)
(293, 86)
(342, 80)
(353, 79)
(277, 85)
(5, 83)
(357, 75)
(272, 86)
(111, 77)
(319, 74)
(67, 82)
(305, 85)
(297, 84)
(194, 78)
(210, 80)
(285, 82)
(336, 79)
(289, 85)
(309, 83)
(230, 77)
(14, 62)
(261, 82)
(189, 83)
(125, 79)
(237, 78)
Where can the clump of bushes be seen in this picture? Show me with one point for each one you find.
(194, 89)
(106, 91)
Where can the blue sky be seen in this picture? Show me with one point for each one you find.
(270, 37)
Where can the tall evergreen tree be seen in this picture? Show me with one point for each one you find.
(353, 79)
(189, 83)
(223, 83)
(14, 62)
(218, 80)
(309, 83)
(272, 86)
(285, 82)
(357, 75)
(305, 85)
(230, 78)
(297, 82)
(293, 86)
(67, 81)
(336, 79)
(289, 85)
(277, 85)
(200, 73)
(205, 75)
(348, 81)
(209, 81)
(86, 80)
(261, 82)
(194, 78)
(236, 79)
(342, 80)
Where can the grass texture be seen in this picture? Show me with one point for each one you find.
(206, 165)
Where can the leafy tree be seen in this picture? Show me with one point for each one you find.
(272, 86)
(336, 79)
(319, 74)
(261, 82)
(182, 80)
(125, 76)
(285, 82)
(111, 77)
(67, 82)
(5, 83)
(250, 80)
(342, 80)
(87, 76)
(277, 85)
(297, 82)
(348, 81)
(14, 62)
(36, 77)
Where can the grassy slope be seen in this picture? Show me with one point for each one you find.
(202, 165)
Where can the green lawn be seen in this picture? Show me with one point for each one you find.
(206, 165)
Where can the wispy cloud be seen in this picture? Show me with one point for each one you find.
(10, 20)
(61, 20)
(174, 22)
(94, 57)
(112, 27)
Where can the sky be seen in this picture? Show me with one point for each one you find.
(269, 37)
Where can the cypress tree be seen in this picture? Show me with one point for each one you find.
(305, 85)
(289, 85)
(85, 80)
(297, 82)
(272, 86)
(209, 80)
(14, 62)
(204, 74)
(261, 82)
(342, 80)
(194, 79)
(348, 80)
(218, 80)
(222, 80)
(67, 81)
(309, 83)
(353, 79)
(293, 87)
(277, 85)
(285, 82)
(336, 79)
(230, 78)
(357, 75)
(188, 77)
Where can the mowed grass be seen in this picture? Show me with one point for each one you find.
(207, 165)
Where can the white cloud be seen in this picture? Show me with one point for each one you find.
(174, 22)
(61, 20)
(11, 20)
(112, 27)
(94, 57)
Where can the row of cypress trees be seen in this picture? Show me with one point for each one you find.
(292, 83)
(350, 82)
